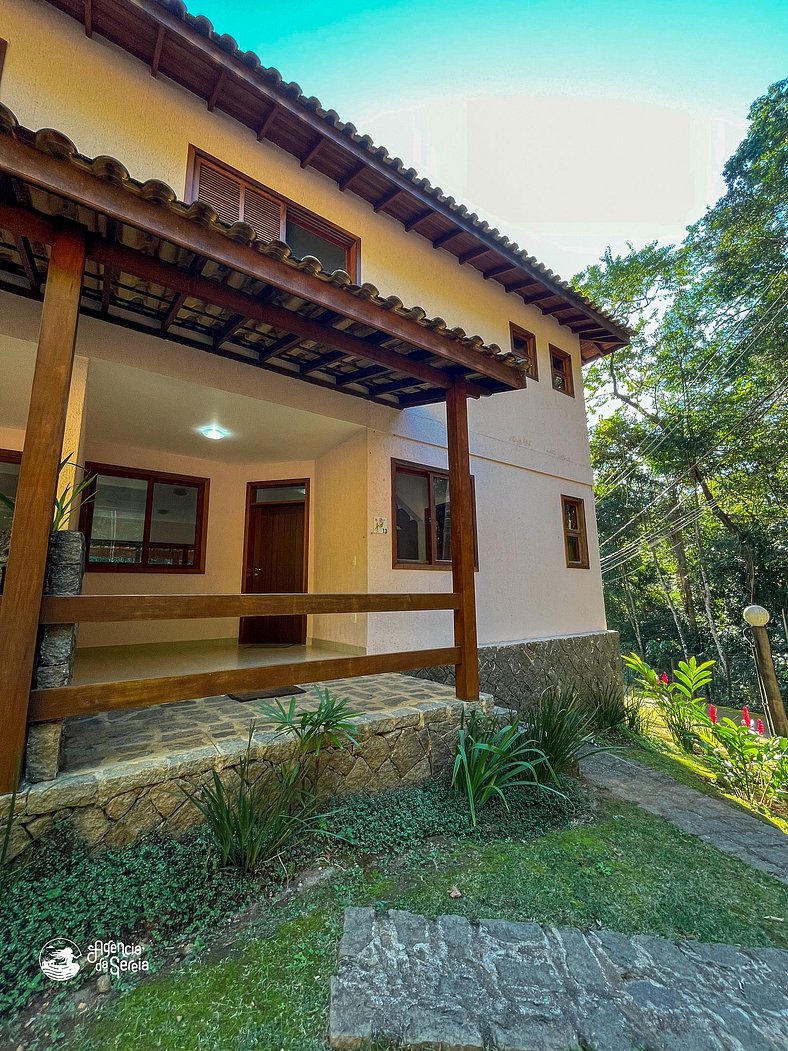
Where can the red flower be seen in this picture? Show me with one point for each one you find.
(664, 678)
(745, 717)
(713, 712)
(759, 727)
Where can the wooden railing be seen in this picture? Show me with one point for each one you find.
(62, 702)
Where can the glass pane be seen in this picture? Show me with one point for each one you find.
(9, 475)
(442, 519)
(304, 242)
(572, 516)
(276, 494)
(573, 548)
(559, 375)
(118, 519)
(173, 525)
(413, 505)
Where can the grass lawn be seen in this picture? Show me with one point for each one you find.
(262, 980)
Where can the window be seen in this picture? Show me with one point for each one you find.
(144, 521)
(561, 370)
(9, 475)
(575, 542)
(524, 345)
(272, 216)
(421, 511)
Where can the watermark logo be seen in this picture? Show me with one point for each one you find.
(59, 959)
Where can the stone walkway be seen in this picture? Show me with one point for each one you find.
(462, 986)
(714, 821)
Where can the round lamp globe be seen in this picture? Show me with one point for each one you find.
(757, 616)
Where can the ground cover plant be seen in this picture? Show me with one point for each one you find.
(262, 979)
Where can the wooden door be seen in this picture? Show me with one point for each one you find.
(275, 556)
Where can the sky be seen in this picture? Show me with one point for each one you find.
(570, 126)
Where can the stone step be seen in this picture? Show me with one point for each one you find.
(457, 985)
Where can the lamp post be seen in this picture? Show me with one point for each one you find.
(758, 617)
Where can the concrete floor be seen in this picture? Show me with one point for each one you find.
(110, 663)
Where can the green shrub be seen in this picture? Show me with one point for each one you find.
(492, 759)
(562, 729)
(608, 706)
(680, 702)
(253, 821)
(151, 890)
(402, 818)
(750, 765)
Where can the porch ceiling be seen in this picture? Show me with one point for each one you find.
(174, 270)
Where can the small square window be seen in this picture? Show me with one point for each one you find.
(575, 539)
(524, 346)
(561, 371)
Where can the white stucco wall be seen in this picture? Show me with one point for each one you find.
(528, 447)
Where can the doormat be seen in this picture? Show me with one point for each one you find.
(265, 695)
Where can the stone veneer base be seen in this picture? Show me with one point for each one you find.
(517, 673)
(118, 804)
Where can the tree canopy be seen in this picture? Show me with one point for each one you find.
(689, 439)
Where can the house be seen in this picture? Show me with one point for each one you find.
(276, 351)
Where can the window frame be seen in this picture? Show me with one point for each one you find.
(518, 332)
(151, 477)
(566, 371)
(3, 52)
(289, 209)
(581, 533)
(8, 456)
(441, 565)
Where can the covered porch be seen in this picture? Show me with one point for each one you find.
(83, 238)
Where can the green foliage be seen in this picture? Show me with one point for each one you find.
(751, 766)
(154, 888)
(402, 818)
(253, 818)
(66, 500)
(680, 702)
(607, 705)
(492, 759)
(562, 728)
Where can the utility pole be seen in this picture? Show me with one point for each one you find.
(758, 617)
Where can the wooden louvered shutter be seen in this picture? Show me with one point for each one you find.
(221, 191)
(264, 214)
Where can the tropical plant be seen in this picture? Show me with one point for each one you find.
(607, 705)
(66, 500)
(750, 765)
(680, 702)
(330, 724)
(491, 759)
(562, 728)
(252, 820)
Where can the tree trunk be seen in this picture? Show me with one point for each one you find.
(707, 602)
(669, 600)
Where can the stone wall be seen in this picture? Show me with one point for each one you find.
(517, 673)
(120, 803)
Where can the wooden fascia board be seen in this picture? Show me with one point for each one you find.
(61, 177)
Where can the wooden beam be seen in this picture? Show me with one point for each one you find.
(28, 265)
(439, 242)
(323, 359)
(359, 375)
(216, 90)
(347, 179)
(496, 271)
(539, 297)
(462, 541)
(473, 253)
(24, 161)
(88, 17)
(310, 155)
(35, 496)
(417, 220)
(386, 199)
(265, 127)
(154, 63)
(280, 346)
(97, 609)
(517, 286)
(172, 313)
(232, 325)
(47, 705)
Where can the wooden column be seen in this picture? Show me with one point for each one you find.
(37, 487)
(462, 544)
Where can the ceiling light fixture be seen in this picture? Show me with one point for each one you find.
(213, 432)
